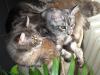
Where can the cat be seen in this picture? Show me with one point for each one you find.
(61, 23)
(28, 48)
(20, 42)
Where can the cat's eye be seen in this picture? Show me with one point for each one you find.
(33, 38)
(62, 27)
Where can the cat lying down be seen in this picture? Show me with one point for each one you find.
(26, 46)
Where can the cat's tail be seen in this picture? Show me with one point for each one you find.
(89, 8)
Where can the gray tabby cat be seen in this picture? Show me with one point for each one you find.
(21, 25)
(23, 39)
(22, 44)
(61, 23)
(28, 48)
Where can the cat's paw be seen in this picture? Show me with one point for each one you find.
(66, 55)
(58, 47)
(80, 62)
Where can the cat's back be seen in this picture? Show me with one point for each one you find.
(19, 12)
(62, 4)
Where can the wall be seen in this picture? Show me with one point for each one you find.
(92, 44)
(5, 6)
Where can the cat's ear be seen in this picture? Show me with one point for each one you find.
(27, 21)
(44, 14)
(22, 39)
(74, 10)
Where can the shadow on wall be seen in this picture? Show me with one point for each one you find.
(5, 6)
(5, 60)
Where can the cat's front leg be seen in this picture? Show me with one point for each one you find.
(63, 52)
(59, 44)
(67, 39)
(59, 47)
(66, 55)
(78, 51)
(23, 70)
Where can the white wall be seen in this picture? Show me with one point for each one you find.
(96, 0)
(92, 44)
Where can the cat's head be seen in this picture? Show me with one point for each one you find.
(60, 19)
(24, 47)
(28, 37)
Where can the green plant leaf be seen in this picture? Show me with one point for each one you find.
(72, 67)
(79, 73)
(14, 70)
(91, 71)
(84, 70)
(34, 71)
(45, 69)
(87, 70)
(56, 66)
